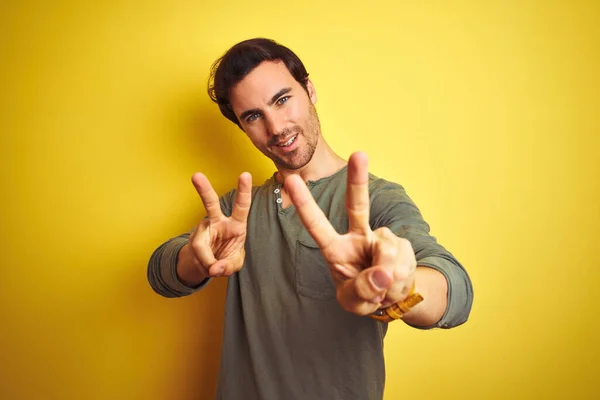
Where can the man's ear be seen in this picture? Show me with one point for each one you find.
(312, 93)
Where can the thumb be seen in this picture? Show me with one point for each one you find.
(363, 295)
(380, 279)
(371, 285)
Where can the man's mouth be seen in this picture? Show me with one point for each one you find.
(289, 142)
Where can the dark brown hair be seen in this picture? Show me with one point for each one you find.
(240, 60)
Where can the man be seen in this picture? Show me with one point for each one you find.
(313, 256)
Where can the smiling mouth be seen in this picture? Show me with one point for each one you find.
(289, 142)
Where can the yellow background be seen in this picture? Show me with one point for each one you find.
(487, 112)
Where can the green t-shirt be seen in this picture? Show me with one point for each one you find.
(285, 335)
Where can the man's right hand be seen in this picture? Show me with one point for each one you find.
(216, 246)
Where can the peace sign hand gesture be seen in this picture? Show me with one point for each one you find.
(371, 269)
(216, 246)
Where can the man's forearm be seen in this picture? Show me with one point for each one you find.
(187, 272)
(432, 285)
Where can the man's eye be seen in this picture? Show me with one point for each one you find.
(253, 117)
(282, 100)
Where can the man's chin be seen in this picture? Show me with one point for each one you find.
(291, 163)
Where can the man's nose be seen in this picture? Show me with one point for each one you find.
(275, 124)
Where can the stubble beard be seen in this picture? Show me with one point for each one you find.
(302, 155)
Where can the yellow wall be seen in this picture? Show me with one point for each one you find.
(485, 111)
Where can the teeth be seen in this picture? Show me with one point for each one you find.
(288, 142)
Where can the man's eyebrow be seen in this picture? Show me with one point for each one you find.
(277, 95)
(248, 113)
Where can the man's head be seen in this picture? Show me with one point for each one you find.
(264, 88)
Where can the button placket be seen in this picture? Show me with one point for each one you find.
(278, 198)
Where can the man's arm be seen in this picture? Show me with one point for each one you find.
(432, 285)
(440, 277)
(162, 269)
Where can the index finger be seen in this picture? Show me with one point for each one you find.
(311, 215)
(357, 193)
(243, 198)
(209, 197)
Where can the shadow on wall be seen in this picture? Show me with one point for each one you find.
(222, 151)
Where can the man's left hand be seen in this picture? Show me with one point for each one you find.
(371, 269)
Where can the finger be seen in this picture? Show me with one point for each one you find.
(243, 198)
(311, 215)
(357, 193)
(364, 294)
(219, 268)
(199, 244)
(209, 197)
(225, 267)
(396, 256)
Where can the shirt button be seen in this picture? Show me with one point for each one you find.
(277, 191)
(279, 201)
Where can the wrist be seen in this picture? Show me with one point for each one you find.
(189, 272)
(397, 310)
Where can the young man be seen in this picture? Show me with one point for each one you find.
(319, 258)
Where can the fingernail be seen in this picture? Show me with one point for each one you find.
(377, 299)
(220, 271)
(380, 279)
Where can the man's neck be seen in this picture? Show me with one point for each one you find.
(325, 162)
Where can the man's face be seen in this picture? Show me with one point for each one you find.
(277, 114)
